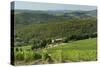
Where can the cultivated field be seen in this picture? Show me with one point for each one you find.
(73, 51)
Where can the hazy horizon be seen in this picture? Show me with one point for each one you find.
(24, 5)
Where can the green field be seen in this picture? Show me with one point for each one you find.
(81, 50)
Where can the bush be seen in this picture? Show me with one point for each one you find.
(48, 41)
(19, 56)
(43, 43)
(29, 56)
(93, 35)
(39, 44)
(36, 44)
(79, 37)
(17, 49)
(65, 40)
(37, 56)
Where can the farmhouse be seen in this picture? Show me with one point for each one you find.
(57, 40)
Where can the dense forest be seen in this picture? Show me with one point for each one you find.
(33, 26)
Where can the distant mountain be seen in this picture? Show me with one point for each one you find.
(54, 11)
(82, 14)
(36, 16)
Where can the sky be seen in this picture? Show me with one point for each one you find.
(50, 6)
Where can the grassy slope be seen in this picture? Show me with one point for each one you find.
(82, 50)
(78, 45)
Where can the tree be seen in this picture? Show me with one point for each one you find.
(65, 40)
(43, 43)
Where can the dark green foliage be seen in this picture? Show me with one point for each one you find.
(93, 35)
(49, 41)
(40, 28)
(19, 56)
(37, 56)
(48, 58)
(55, 30)
(17, 49)
(40, 35)
(39, 44)
(65, 40)
(43, 43)
(81, 36)
(21, 49)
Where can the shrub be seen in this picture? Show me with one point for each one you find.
(29, 56)
(48, 41)
(93, 35)
(65, 40)
(17, 49)
(19, 56)
(39, 44)
(43, 43)
(37, 56)
(79, 37)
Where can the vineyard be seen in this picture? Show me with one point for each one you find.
(82, 50)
